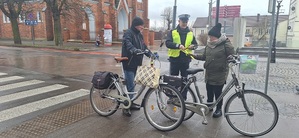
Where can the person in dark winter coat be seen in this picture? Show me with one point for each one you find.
(133, 44)
(216, 67)
(180, 41)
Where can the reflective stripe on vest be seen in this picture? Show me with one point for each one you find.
(177, 39)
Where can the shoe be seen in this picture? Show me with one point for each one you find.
(217, 113)
(135, 106)
(127, 112)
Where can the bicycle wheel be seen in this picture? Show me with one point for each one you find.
(190, 99)
(262, 121)
(164, 108)
(102, 103)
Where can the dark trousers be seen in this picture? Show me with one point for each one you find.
(177, 68)
(214, 90)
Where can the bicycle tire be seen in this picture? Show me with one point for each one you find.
(103, 104)
(157, 111)
(192, 99)
(265, 113)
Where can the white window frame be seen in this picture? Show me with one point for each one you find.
(39, 16)
(5, 19)
(20, 18)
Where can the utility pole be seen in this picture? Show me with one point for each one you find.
(273, 49)
(217, 11)
(271, 9)
(210, 15)
(174, 15)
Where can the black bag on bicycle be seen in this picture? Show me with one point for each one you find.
(173, 80)
(103, 79)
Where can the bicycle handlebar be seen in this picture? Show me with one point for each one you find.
(233, 59)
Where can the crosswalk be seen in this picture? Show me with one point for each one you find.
(21, 88)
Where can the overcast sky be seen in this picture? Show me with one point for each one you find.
(199, 8)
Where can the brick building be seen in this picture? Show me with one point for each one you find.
(97, 13)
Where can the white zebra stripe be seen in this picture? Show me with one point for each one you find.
(19, 84)
(1, 74)
(41, 104)
(24, 94)
(11, 78)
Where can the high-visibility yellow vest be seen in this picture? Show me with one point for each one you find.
(177, 39)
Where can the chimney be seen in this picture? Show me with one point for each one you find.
(258, 18)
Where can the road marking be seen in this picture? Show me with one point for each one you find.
(11, 78)
(19, 84)
(24, 94)
(41, 104)
(1, 74)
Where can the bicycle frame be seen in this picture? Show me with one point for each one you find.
(120, 85)
(201, 107)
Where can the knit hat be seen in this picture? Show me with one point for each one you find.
(137, 21)
(216, 30)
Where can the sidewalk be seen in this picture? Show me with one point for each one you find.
(75, 46)
(283, 79)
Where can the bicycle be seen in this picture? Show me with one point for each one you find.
(106, 102)
(258, 115)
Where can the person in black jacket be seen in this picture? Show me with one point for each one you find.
(133, 44)
(180, 41)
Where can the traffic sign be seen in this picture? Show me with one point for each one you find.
(31, 22)
(30, 16)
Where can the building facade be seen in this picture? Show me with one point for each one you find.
(96, 14)
(257, 28)
(293, 25)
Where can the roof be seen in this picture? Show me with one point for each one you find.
(201, 22)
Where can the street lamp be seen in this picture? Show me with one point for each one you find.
(273, 49)
(174, 15)
(217, 11)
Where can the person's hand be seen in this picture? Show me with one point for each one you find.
(181, 47)
(137, 51)
(153, 56)
(192, 47)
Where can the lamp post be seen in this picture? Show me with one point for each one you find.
(273, 49)
(217, 11)
(174, 15)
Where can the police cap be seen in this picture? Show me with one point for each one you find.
(184, 17)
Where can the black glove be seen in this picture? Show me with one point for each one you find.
(153, 56)
(137, 51)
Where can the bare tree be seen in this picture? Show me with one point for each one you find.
(62, 7)
(167, 16)
(12, 9)
(260, 31)
(203, 39)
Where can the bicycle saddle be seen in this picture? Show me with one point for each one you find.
(194, 71)
(120, 59)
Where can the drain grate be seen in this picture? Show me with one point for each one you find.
(46, 124)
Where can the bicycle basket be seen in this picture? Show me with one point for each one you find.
(103, 79)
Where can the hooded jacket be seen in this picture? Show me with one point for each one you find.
(215, 57)
(132, 40)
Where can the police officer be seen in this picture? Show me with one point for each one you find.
(179, 42)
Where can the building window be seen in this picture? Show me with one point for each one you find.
(39, 16)
(260, 31)
(247, 31)
(21, 18)
(5, 19)
(139, 0)
(202, 31)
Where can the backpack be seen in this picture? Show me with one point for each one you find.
(103, 79)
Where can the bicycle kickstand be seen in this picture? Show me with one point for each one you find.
(205, 121)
